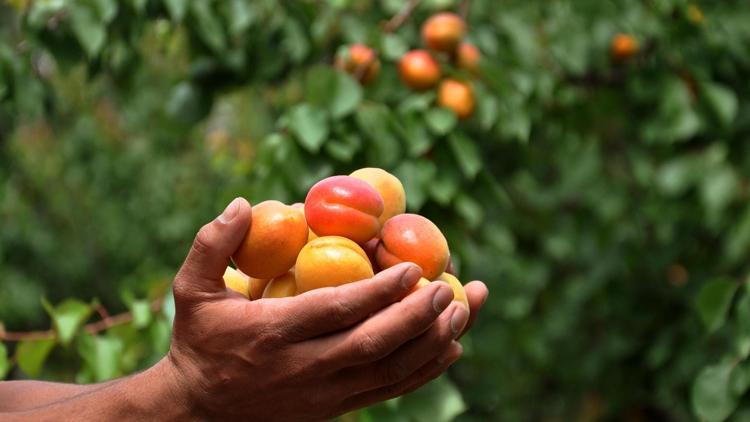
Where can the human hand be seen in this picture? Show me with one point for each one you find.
(313, 356)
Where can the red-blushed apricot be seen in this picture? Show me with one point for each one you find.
(443, 32)
(459, 293)
(457, 96)
(359, 61)
(389, 188)
(281, 286)
(421, 283)
(236, 281)
(330, 261)
(623, 46)
(344, 206)
(413, 238)
(276, 235)
(468, 57)
(419, 70)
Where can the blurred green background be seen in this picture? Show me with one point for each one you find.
(604, 202)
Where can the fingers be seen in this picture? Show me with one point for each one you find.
(204, 266)
(422, 376)
(401, 364)
(384, 332)
(476, 293)
(327, 310)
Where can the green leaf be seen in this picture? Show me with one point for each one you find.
(742, 338)
(102, 355)
(67, 317)
(445, 186)
(4, 362)
(470, 210)
(713, 302)
(719, 188)
(467, 154)
(332, 90)
(416, 176)
(106, 9)
(416, 102)
(88, 28)
(31, 354)
(343, 149)
(740, 379)
(413, 132)
(721, 100)
(309, 125)
(441, 120)
(712, 398)
(374, 123)
(141, 310)
(394, 47)
(177, 9)
(209, 27)
(438, 401)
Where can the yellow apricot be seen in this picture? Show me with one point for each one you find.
(331, 261)
(389, 188)
(459, 293)
(281, 286)
(237, 281)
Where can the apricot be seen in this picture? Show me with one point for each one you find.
(359, 61)
(281, 286)
(443, 32)
(331, 261)
(459, 293)
(623, 46)
(236, 281)
(389, 188)
(256, 286)
(457, 96)
(413, 238)
(421, 283)
(344, 206)
(419, 70)
(468, 57)
(300, 206)
(277, 234)
(371, 248)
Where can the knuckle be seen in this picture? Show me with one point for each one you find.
(341, 310)
(394, 372)
(371, 346)
(200, 243)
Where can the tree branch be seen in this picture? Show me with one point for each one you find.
(93, 328)
(463, 9)
(401, 17)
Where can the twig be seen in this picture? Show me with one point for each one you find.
(463, 9)
(92, 328)
(400, 18)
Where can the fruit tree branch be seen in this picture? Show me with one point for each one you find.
(92, 328)
(400, 18)
(463, 9)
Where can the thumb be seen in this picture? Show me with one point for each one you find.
(214, 244)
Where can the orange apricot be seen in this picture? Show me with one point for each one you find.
(623, 46)
(281, 286)
(256, 287)
(413, 238)
(457, 96)
(331, 261)
(236, 281)
(468, 57)
(389, 188)
(276, 235)
(421, 283)
(459, 293)
(419, 70)
(359, 61)
(443, 32)
(344, 206)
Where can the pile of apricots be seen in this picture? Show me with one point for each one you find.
(348, 229)
(420, 70)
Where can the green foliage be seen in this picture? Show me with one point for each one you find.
(604, 202)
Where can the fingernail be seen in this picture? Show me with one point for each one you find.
(230, 211)
(458, 319)
(442, 299)
(410, 277)
(448, 355)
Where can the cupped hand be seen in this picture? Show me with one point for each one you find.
(308, 357)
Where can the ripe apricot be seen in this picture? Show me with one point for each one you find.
(344, 206)
(413, 238)
(331, 261)
(276, 235)
(256, 286)
(310, 234)
(457, 96)
(359, 61)
(419, 70)
(623, 46)
(468, 57)
(281, 286)
(236, 281)
(443, 32)
(459, 293)
(389, 188)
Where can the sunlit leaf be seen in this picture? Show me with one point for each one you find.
(31, 354)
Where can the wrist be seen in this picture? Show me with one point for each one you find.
(159, 393)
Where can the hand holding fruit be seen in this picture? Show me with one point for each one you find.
(313, 356)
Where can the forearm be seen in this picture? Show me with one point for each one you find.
(151, 394)
(25, 395)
